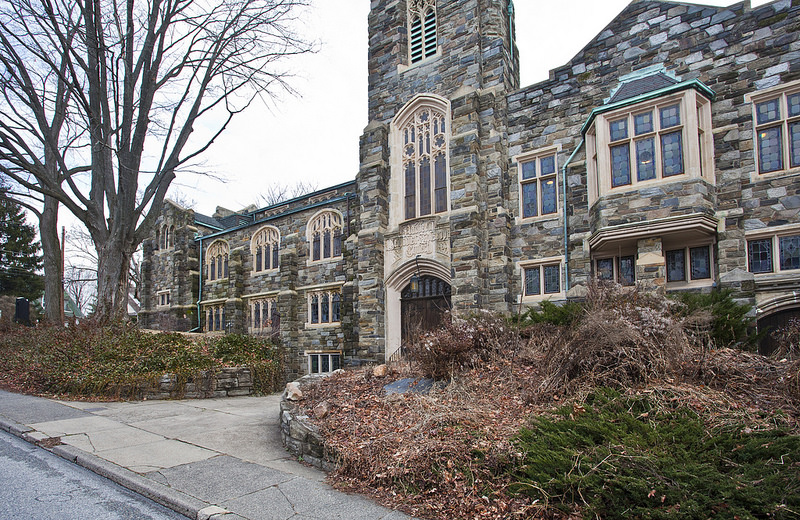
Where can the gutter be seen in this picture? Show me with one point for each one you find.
(566, 235)
(200, 289)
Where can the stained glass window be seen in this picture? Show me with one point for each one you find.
(620, 165)
(315, 309)
(336, 308)
(670, 116)
(549, 196)
(552, 279)
(425, 186)
(325, 231)
(676, 266)
(778, 132)
(325, 309)
(618, 129)
(770, 151)
(768, 111)
(605, 269)
(700, 262)
(532, 286)
(645, 159)
(672, 154)
(790, 252)
(627, 270)
(643, 123)
(425, 164)
(759, 253)
(539, 193)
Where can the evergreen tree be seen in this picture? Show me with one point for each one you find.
(19, 252)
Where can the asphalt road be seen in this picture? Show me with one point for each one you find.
(37, 485)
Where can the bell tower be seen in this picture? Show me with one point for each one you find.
(433, 157)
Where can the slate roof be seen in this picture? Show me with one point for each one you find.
(207, 221)
(639, 86)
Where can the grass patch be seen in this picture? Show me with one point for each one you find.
(86, 360)
(637, 457)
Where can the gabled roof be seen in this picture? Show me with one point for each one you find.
(643, 85)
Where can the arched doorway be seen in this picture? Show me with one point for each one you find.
(423, 307)
(771, 322)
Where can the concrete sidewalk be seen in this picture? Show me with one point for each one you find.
(204, 458)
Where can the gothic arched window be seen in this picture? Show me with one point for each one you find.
(423, 145)
(217, 260)
(325, 235)
(421, 29)
(264, 246)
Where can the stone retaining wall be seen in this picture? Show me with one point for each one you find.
(301, 438)
(227, 382)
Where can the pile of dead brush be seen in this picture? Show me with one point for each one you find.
(453, 452)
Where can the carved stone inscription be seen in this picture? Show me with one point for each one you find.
(419, 238)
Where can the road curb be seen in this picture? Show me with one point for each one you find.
(175, 500)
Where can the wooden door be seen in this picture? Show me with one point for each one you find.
(424, 309)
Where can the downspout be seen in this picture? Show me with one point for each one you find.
(199, 289)
(510, 25)
(566, 235)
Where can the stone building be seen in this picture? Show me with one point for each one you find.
(666, 153)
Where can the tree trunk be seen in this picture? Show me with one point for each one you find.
(51, 249)
(113, 262)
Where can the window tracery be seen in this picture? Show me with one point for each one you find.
(424, 163)
(421, 29)
(217, 261)
(325, 235)
(264, 246)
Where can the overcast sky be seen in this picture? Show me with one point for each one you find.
(314, 137)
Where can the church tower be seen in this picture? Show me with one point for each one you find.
(434, 233)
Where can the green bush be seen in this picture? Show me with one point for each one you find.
(565, 314)
(629, 457)
(86, 359)
(730, 326)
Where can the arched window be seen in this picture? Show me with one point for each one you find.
(157, 244)
(264, 246)
(217, 260)
(421, 29)
(165, 237)
(171, 242)
(325, 235)
(421, 142)
(261, 311)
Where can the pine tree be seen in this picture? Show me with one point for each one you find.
(19, 252)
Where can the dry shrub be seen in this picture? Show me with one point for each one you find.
(764, 382)
(626, 338)
(460, 344)
(787, 340)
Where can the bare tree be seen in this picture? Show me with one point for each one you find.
(100, 99)
(277, 193)
(80, 284)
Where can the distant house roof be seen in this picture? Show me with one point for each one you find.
(207, 221)
(643, 85)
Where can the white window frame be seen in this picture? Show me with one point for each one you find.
(781, 93)
(318, 294)
(774, 235)
(541, 264)
(259, 326)
(218, 249)
(329, 354)
(266, 236)
(163, 299)
(536, 157)
(327, 220)
(210, 308)
(697, 143)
